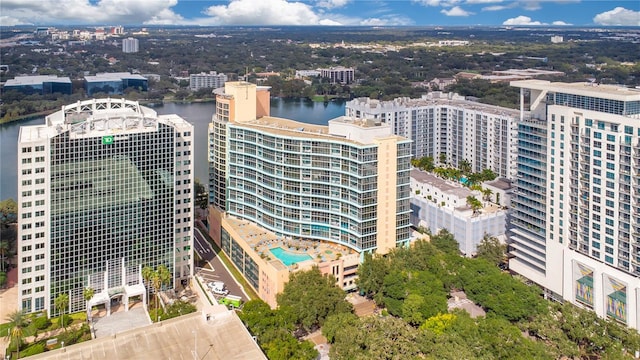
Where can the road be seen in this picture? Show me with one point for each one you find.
(220, 272)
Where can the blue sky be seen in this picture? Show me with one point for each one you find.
(321, 12)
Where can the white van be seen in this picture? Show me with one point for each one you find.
(217, 287)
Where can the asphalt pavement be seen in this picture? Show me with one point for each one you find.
(220, 271)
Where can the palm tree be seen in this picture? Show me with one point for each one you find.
(61, 303)
(17, 323)
(465, 166)
(487, 194)
(4, 250)
(474, 203)
(162, 277)
(87, 294)
(147, 275)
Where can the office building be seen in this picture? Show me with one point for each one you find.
(440, 123)
(338, 75)
(576, 210)
(39, 84)
(345, 185)
(130, 45)
(211, 80)
(442, 204)
(104, 188)
(114, 83)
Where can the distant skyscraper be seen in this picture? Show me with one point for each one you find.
(576, 211)
(130, 45)
(440, 123)
(104, 188)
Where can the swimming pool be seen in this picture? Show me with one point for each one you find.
(288, 258)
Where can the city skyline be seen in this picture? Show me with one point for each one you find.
(323, 12)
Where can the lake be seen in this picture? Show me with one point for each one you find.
(198, 114)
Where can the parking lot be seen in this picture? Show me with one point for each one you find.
(218, 272)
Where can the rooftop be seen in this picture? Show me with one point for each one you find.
(500, 183)
(36, 80)
(286, 127)
(438, 98)
(222, 337)
(611, 92)
(113, 77)
(445, 186)
(262, 240)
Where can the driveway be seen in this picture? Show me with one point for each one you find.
(220, 271)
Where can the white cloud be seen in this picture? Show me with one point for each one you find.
(391, 20)
(560, 23)
(84, 12)
(456, 11)
(332, 4)
(483, 1)
(495, 8)
(445, 3)
(262, 12)
(521, 20)
(9, 21)
(618, 17)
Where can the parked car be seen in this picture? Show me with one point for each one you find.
(217, 287)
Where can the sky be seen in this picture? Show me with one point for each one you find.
(321, 12)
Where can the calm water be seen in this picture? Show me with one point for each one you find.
(198, 114)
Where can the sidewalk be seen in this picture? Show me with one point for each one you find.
(8, 302)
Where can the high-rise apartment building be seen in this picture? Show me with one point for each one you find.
(440, 123)
(211, 80)
(576, 210)
(104, 188)
(344, 186)
(344, 183)
(130, 45)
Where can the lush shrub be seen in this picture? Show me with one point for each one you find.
(41, 322)
(33, 349)
(75, 336)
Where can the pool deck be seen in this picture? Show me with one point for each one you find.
(261, 241)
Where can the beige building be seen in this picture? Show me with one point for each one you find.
(288, 195)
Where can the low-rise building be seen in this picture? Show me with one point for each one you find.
(210, 80)
(338, 75)
(441, 204)
(114, 83)
(39, 84)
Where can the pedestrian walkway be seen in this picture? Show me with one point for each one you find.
(120, 321)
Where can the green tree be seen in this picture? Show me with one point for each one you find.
(443, 158)
(87, 294)
(202, 196)
(487, 194)
(61, 303)
(474, 203)
(446, 242)
(465, 166)
(312, 297)
(17, 323)
(147, 275)
(4, 250)
(491, 249)
(371, 273)
(8, 211)
(161, 277)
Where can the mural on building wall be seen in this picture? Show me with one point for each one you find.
(616, 299)
(584, 285)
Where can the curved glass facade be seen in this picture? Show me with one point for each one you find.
(309, 188)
